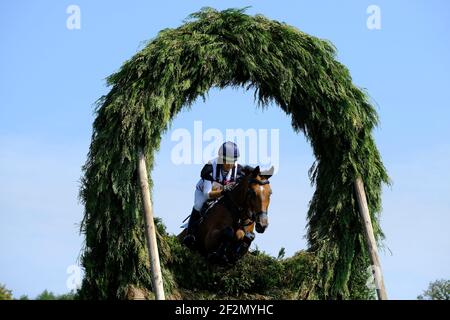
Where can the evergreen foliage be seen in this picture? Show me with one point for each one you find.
(5, 293)
(281, 64)
(437, 290)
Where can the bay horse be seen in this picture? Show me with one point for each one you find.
(226, 231)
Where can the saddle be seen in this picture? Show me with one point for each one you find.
(207, 206)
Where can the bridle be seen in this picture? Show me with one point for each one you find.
(244, 211)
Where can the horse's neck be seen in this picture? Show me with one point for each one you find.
(238, 194)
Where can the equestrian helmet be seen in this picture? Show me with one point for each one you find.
(229, 152)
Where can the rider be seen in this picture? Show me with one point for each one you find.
(224, 171)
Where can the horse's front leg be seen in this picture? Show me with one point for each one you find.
(221, 240)
(212, 240)
(244, 243)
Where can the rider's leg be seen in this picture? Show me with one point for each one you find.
(189, 239)
(194, 220)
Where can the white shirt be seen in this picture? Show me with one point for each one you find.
(206, 186)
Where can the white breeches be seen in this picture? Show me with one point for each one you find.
(199, 199)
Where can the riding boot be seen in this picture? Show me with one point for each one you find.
(194, 220)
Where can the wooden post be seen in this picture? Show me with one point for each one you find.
(370, 239)
(150, 231)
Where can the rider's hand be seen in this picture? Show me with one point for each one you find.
(216, 186)
(228, 187)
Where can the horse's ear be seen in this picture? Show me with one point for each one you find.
(266, 174)
(255, 172)
(247, 170)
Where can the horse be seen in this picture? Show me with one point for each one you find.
(227, 229)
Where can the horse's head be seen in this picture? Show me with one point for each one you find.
(258, 197)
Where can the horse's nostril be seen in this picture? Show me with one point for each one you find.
(260, 228)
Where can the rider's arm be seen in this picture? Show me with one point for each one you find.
(214, 194)
(206, 172)
(209, 191)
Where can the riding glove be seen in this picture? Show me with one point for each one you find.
(228, 187)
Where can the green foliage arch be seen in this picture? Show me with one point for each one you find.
(297, 72)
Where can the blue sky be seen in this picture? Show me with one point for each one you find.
(51, 76)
